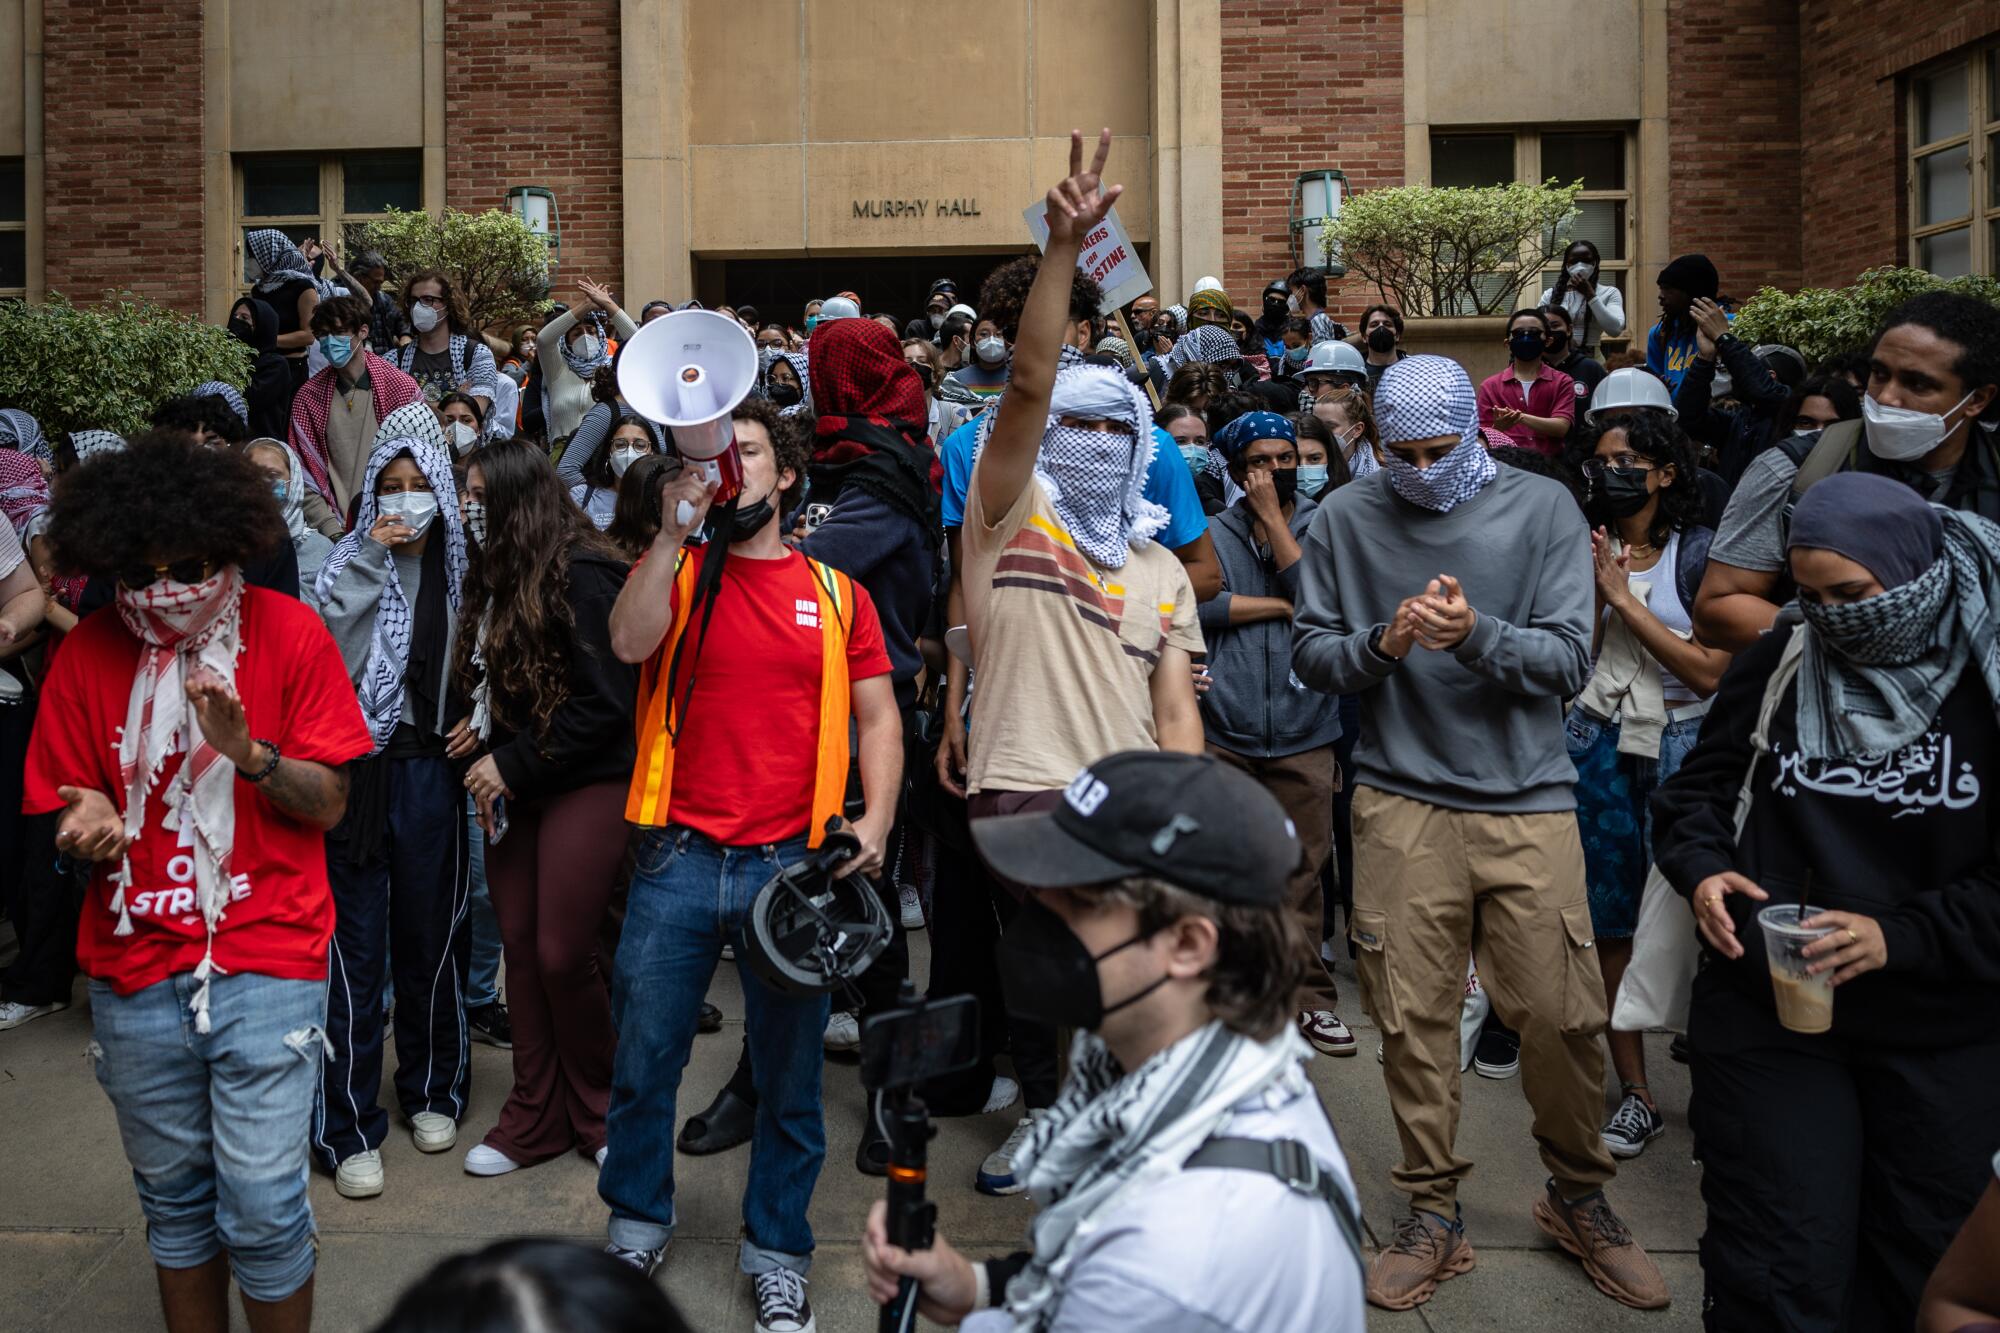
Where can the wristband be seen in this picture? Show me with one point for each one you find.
(270, 765)
(982, 1287)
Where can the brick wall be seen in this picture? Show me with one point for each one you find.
(1733, 135)
(1292, 100)
(531, 98)
(123, 189)
(1855, 150)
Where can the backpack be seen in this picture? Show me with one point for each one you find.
(1691, 562)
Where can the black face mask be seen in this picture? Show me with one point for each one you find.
(1286, 482)
(1049, 977)
(1527, 345)
(785, 395)
(1382, 339)
(243, 331)
(1275, 308)
(923, 370)
(1558, 344)
(1620, 492)
(745, 521)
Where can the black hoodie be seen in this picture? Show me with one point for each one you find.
(1911, 840)
(269, 394)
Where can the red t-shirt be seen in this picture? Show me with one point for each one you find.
(745, 757)
(295, 693)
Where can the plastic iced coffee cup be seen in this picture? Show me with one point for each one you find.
(1805, 1003)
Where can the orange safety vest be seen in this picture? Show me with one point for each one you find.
(646, 803)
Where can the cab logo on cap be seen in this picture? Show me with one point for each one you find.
(1085, 793)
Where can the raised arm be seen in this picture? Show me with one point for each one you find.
(1074, 207)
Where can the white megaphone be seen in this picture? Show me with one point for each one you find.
(688, 370)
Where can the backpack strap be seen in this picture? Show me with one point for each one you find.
(1691, 563)
(1829, 453)
(1292, 1163)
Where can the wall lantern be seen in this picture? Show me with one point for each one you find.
(536, 206)
(1316, 197)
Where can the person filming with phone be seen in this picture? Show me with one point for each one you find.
(1189, 1178)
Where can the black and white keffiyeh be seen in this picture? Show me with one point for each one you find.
(228, 393)
(20, 431)
(381, 687)
(1425, 398)
(1096, 480)
(90, 443)
(1208, 343)
(1111, 1131)
(279, 262)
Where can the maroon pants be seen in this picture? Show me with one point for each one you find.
(550, 879)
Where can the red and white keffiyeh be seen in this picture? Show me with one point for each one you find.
(184, 628)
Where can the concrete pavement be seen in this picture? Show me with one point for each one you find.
(73, 1253)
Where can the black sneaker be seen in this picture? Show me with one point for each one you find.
(708, 1019)
(1632, 1126)
(782, 1306)
(489, 1023)
(1498, 1054)
(644, 1262)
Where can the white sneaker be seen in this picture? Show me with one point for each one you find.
(996, 1173)
(1004, 1094)
(433, 1132)
(912, 905)
(601, 1155)
(481, 1160)
(360, 1176)
(728, 953)
(12, 1015)
(843, 1033)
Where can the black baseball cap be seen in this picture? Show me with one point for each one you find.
(944, 285)
(1188, 819)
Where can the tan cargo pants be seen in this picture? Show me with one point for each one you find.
(1431, 885)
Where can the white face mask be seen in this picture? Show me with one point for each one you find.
(463, 435)
(1902, 434)
(1579, 271)
(416, 508)
(990, 350)
(937, 319)
(622, 456)
(423, 318)
(475, 520)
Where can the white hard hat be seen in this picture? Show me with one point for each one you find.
(1335, 358)
(1209, 285)
(838, 307)
(962, 309)
(1631, 387)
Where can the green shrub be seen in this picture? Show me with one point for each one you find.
(498, 264)
(1435, 250)
(108, 366)
(1818, 321)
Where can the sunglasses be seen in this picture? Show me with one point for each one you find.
(192, 570)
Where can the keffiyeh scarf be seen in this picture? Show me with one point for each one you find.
(801, 364)
(382, 680)
(24, 491)
(872, 430)
(185, 628)
(22, 433)
(1875, 673)
(313, 406)
(90, 443)
(1423, 398)
(1207, 343)
(228, 394)
(1096, 481)
(279, 262)
(1111, 1132)
(583, 367)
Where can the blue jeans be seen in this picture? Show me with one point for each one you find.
(688, 899)
(1614, 813)
(482, 985)
(215, 1126)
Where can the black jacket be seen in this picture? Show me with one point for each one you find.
(1738, 435)
(590, 736)
(1911, 840)
(269, 393)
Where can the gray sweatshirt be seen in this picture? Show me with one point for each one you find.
(1255, 705)
(1479, 727)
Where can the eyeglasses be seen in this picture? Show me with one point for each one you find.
(1595, 468)
(434, 301)
(195, 569)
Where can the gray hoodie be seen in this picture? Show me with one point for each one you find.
(1479, 727)
(1255, 705)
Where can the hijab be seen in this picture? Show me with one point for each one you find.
(1212, 344)
(872, 428)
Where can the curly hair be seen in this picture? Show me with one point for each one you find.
(163, 498)
(518, 587)
(1005, 292)
(1260, 952)
(636, 519)
(454, 304)
(340, 314)
(191, 415)
(1395, 315)
(1196, 379)
(791, 443)
(1661, 443)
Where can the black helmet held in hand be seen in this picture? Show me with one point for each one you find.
(808, 930)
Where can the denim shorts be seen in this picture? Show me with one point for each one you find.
(215, 1125)
(1613, 814)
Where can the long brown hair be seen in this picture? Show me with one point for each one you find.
(519, 587)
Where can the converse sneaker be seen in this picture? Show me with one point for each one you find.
(782, 1306)
(1427, 1250)
(1498, 1054)
(433, 1132)
(359, 1176)
(482, 1160)
(1328, 1035)
(489, 1023)
(12, 1015)
(996, 1173)
(644, 1262)
(1632, 1126)
(911, 904)
(843, 1033)
(1589, 1230)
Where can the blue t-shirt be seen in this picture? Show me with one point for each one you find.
(1172, 488)
(1669, 359)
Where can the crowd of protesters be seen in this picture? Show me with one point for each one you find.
(1158, 660)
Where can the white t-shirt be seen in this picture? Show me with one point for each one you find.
(1664, 601)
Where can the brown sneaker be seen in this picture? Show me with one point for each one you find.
(1589, 1230)
(1425, 1252)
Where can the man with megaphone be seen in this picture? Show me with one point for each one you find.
(753, 659)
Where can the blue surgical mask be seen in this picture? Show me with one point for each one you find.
(1312, 479)
(337, 348)
(1296, 356)
(1195, 456)
(812, 322)
(281, 489)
